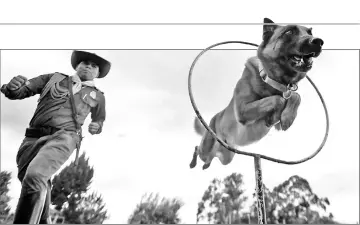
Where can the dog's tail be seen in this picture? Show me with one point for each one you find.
(199, 128)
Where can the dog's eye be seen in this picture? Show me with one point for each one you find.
(289, 32)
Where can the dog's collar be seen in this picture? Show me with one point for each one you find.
(286, 90)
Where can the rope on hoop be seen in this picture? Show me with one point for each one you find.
(243, 152)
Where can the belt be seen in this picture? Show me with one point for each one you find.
(38, 132)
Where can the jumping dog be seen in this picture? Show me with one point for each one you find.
(264, 96)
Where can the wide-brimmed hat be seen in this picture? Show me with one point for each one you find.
(80, 56)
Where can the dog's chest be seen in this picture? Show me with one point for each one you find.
(264, 90)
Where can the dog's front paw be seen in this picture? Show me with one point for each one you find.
(273, 118)
(269, 121)
(286, 120)
(278, 126)
(289, 114)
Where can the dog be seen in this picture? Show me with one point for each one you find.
(264, 96)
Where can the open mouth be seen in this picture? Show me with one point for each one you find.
(302, 62)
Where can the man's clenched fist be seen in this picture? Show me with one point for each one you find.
(17, 82)
(94, 127)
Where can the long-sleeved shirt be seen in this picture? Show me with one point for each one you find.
(58, 112)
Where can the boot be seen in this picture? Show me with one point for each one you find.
(29, 208)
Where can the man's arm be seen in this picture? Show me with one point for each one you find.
(34, 87)
(98, 113)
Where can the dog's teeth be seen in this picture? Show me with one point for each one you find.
(297, 57)
(300, 62)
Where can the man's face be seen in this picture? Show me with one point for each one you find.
(87, 70)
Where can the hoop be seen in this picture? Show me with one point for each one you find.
(230, 148)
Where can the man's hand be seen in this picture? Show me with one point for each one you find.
(17, 82)
(94, 127)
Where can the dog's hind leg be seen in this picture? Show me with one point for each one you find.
(194, 159)
(224, 155)
(206, 165)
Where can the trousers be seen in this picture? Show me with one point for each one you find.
(38, 159)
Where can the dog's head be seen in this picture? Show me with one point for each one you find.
(290, 47)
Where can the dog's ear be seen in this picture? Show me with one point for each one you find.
(268, 28)
(269, 25)
(267, 20)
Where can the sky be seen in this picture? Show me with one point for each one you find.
(148, 139)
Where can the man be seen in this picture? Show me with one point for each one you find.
(53, 134)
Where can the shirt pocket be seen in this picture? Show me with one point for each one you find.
(89, 100)
(85, 104)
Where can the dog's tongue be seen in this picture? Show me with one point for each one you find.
(307, 60)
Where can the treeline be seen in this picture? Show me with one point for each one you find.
(223, 202)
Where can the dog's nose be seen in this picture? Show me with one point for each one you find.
(317, 41)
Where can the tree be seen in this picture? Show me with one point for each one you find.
(222, 201)
(152, 210)
(69, 194)
(90, 210)
(293, 201)
(252, 216)
(5, 215)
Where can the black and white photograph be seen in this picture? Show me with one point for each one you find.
(246, 124)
